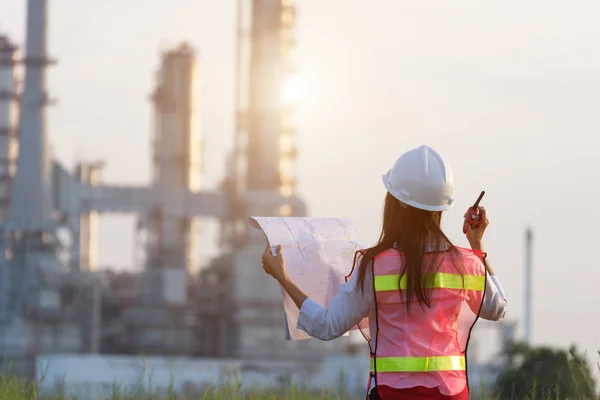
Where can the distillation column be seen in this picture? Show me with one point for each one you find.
(31, 195)
(176, 157)
(264, 143)
(170, 238)
(9, 114)
(8, 153)
(261, 60)
(263, 169)
(45, 303)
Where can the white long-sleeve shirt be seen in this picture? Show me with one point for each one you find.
(350, 305)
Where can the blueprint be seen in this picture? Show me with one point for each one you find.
(318, 253)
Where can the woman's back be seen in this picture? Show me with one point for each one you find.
(426, 346)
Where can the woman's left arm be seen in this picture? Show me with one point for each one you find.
(346, 309)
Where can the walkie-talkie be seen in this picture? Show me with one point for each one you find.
(473, 216)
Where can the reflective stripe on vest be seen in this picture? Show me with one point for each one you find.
(439, 280)
(419, 364)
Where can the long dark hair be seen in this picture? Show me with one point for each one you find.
(411, 231)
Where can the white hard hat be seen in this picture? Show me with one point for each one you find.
(422, 179)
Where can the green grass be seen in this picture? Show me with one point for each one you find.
(14, 388)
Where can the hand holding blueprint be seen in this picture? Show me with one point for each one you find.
(318, 253)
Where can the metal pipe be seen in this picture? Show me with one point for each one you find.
(528, 283)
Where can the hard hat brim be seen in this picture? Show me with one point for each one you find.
(410, 202)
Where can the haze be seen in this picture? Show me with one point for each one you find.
(507, 91)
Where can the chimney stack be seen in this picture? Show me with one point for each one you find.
(30, 205)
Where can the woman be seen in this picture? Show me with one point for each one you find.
(415, 295)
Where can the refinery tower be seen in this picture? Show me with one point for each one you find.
(53, 299)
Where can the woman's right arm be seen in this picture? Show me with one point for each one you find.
(493, 307)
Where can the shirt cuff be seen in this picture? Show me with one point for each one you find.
(308, 313)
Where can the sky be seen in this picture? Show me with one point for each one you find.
(506, 91)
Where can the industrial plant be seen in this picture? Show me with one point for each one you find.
(53, 298)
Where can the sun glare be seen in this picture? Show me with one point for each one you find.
(292, 89)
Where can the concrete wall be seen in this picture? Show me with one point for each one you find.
(87, 376)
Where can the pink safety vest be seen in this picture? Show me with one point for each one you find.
(426, 347)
